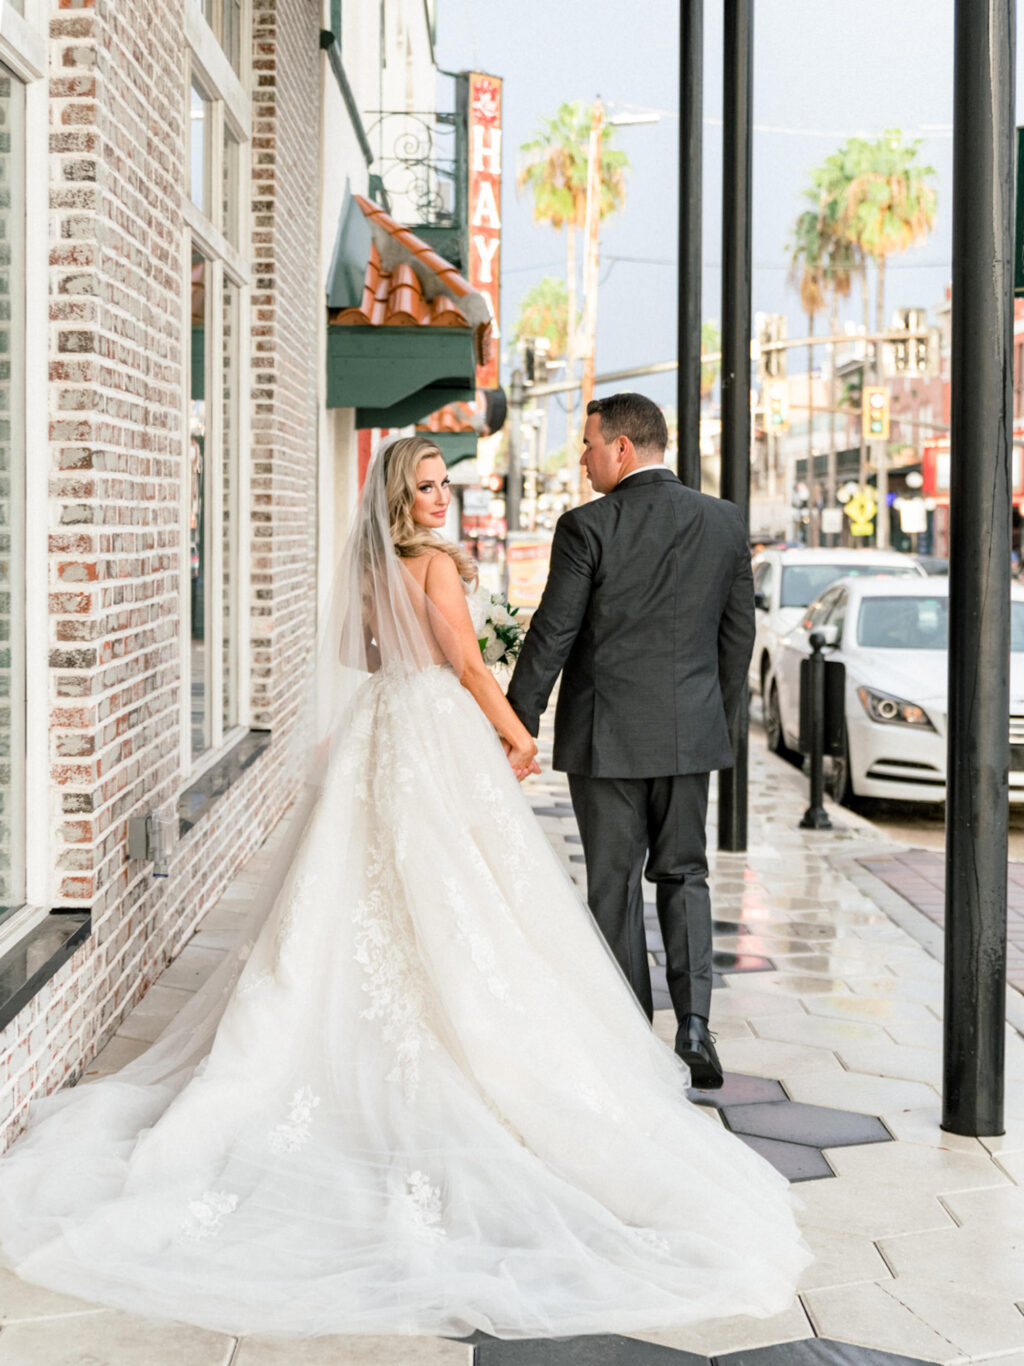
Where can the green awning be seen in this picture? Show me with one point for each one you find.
(394, 376)
(454, 446)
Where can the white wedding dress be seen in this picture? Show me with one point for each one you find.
(427, 1103)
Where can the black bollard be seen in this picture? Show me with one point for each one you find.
(812, 676)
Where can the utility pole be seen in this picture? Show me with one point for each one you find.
(514, 484)
(737, 149)
(691, 124)
(977, 802)
(880, 460)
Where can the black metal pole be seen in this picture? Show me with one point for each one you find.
(691, 130)
(816, 817)
(737, 133)
(979, 595)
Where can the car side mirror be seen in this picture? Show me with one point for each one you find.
(823, 636)
(760, 601)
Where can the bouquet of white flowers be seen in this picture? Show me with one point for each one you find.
(501, 636)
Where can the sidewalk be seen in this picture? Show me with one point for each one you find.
(828, 1019)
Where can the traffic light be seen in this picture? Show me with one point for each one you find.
(777, 408)
(771, 331)
(874, 413)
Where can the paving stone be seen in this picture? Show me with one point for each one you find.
(817, 1125)
(816, 1352)
(796, 1161)
(739, 1089)
(742, 1332)
(352, 1350)
(582, 1351)
(741, 962)
(111, 1338)
(840, 1259)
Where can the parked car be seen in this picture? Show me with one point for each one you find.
(933, 564)
(786, 582)
(891, 634)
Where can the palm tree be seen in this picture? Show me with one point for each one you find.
(554, 169)
(822, 263)
(881, 202)
(888, 204)
(544, 312)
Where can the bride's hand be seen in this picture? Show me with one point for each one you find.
(522, 758)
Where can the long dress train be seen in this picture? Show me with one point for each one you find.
(431, 1104)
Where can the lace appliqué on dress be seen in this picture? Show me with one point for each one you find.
(425, 1206)
(481, 950)
(292, 1134)
(384, 951)
(512, 831)
(205, 1216)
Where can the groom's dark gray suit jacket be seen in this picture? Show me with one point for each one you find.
(649, 614)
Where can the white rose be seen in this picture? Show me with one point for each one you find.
(500, 616)
(493, 651)
(487, 634)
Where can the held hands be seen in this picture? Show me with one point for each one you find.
(522, 758)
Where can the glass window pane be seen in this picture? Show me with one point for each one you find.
(229, 508)
(230, 198)
(12, 455)
(197, 539)
(232, 43)
(199, 154)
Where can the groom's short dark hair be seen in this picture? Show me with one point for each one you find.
(634, 416)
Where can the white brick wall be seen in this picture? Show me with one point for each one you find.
(117, 370)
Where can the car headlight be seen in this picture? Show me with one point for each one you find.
(893, 710)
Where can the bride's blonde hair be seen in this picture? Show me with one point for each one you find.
(401, 463)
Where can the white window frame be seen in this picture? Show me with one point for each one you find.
(23, 51)
(229, 111)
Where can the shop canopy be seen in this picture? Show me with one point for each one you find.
(406, 331)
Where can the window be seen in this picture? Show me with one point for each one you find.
(199, 149)
(819, 613)
(214, 528)
(12, 464)
(802, 583)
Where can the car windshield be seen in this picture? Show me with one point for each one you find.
(918, 623)
(802, 583)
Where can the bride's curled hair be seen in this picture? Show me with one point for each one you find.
(401, 463)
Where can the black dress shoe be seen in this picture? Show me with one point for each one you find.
(695, 1044)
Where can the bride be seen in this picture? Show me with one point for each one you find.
(420, 1097)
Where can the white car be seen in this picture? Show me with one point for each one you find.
(786, 582)
(891, 634)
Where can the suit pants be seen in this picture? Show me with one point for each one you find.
(622, 820)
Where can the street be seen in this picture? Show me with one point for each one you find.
(917, 823)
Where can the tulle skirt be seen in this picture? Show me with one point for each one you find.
(422, 1100)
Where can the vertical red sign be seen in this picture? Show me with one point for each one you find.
(485, 205)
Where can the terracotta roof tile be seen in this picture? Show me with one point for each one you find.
(457, 417)
(407, 284)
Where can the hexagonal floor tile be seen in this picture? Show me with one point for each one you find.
(796, 1161)
(816, 1125)
(816, 1352)
(598, 1350)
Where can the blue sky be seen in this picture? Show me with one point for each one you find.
(823, 70)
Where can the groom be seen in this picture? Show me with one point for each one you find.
(648, 613)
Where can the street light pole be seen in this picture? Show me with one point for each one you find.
(691, 124)
(737, 133)
(513, 486)
(977, 809)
